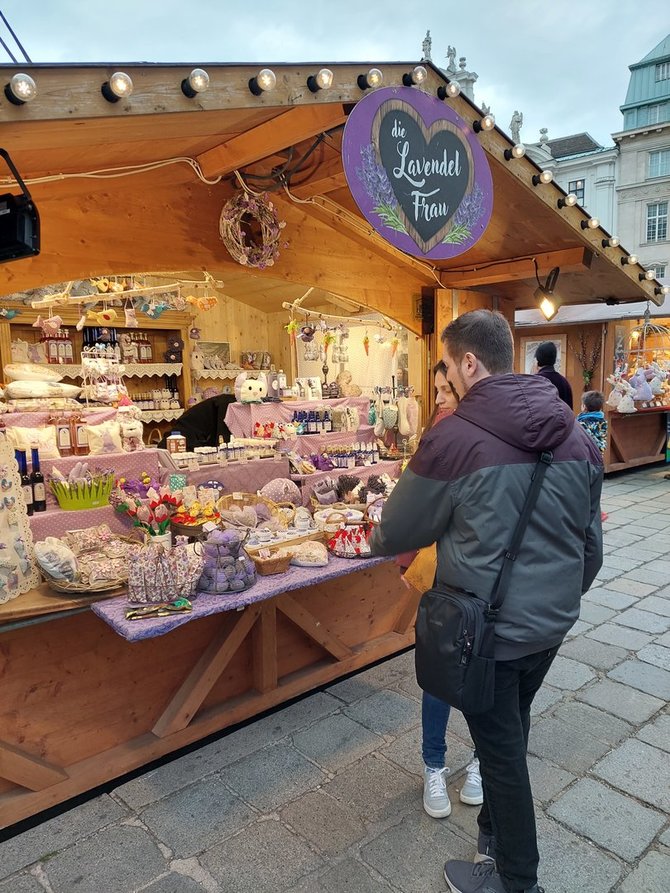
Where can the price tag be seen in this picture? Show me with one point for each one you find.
(238, 497)
(243, 460)
(193, 465)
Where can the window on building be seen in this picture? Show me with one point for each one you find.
(663, 71)
(577, 186)
(659, 163)
(657, 222)
(659, 270)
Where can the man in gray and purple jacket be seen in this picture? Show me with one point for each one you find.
(464, 489)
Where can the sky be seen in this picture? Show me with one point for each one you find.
(564, 65)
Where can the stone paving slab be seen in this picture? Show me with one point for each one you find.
(385, 712)
(621, 700)
(118, 858)
(323, 821)
(643, 676)
(609, 818)
(174, 883)
(642, 620)
(657, 733)
(565, 745)
(264, 858)
(651, 875)
(21, 883)
(568, 674)
(336, 741)
(595, 654)
(570, 864)
(640, 770)
(374, 789)
(656, 604)
(611, 634)
(658, 655)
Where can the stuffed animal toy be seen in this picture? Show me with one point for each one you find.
(641, 387)
(617, 390)
(658, 378)
(129, 418)
(50, 325)
(249, 390)
(348, 388)
(626, 403)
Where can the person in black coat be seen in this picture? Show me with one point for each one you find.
(545, 356)
(203, 424)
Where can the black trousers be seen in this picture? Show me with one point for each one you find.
(501, 739)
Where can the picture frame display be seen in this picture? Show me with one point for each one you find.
(528, 346)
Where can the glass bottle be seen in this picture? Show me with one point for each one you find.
(26, 484)
(63, 435)
(37, 482)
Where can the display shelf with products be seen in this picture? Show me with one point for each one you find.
(21, 341)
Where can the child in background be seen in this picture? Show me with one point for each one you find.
(593, 421)
(592, 418)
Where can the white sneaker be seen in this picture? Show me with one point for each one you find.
(472, 792)
(435, 797)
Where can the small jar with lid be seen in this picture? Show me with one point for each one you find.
(176, 442)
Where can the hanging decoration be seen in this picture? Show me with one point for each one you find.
(8, 314)
(239, 212)
(103, 317)
(395, 341)
(366, 344)
(291, 329)
(587, 356)
(50, 325)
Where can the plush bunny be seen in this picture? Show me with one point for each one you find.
(129, 418)
(249, 390)
(640, 385)
(626, 403)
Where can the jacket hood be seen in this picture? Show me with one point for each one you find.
(525, 411)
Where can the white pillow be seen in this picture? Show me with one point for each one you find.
(104, 438)
(31, 372)
(25, 438)
(18, 390)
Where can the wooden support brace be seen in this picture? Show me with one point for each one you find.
(265, 649)
(26, 770)
(199, 682)
(309, 624)
(407, 613)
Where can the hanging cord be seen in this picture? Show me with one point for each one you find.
(110, 173)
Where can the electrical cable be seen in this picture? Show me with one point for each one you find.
(16, 39)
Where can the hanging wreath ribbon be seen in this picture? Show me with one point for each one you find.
(260, 208)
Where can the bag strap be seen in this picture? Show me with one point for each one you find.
(502, 581)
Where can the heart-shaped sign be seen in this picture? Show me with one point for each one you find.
(429, 169)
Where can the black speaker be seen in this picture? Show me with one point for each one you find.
(19, 221)
(424, 309)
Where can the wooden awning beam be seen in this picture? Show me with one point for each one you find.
(568, 259)
(286, 129)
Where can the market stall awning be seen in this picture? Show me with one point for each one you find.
(289, 137)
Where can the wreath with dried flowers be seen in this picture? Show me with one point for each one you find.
(247, 208)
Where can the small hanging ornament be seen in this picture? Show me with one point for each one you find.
(8, 314)
(292, 328)
(307, 333)
(250, 249)
(366, 344)
(395, 341)
(131, 317)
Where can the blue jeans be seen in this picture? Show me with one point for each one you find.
(434, 719)
(501, 739)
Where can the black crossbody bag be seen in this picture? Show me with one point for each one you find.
(455, 630)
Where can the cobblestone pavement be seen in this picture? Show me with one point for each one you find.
(324, 796)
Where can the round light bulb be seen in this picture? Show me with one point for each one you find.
(375, 78)
(121, 84)
(570, 199)
(23, 87)
(546, 177)
(650, 274)
(324, 78)
(419, 74)
(453, 88)
(518, 151)
(198, 80)
(615, 241)
(593, 222)
(488, 122)
(665, 289)
(266, 79)
(631, 259)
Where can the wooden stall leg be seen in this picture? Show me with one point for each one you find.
(26, 770)
(199, 682)
(265, 649)
(313, 627)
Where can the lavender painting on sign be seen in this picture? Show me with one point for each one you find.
(417, 172)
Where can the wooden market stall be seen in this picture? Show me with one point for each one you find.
(596, 340)
(80, 704)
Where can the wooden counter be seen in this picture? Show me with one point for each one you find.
(81, 706)
(636, 439)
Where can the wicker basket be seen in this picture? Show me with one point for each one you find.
(88, 495)
(190, 530)
(275, 564)
(242, 500)
(77, 588)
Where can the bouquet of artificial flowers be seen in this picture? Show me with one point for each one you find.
(151, 511)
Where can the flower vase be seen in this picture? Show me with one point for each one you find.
(160, 539)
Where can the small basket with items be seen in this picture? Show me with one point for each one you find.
(86, 561)
(227, 567)
(83, 488)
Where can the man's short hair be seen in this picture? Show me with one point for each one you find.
(484, 333)
(593, 401)
(546, 354)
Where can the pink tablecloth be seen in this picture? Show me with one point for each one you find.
(56, 522)
(40, 419)
(112, 610)
(243, 477)
(306, 482)
(315, 444)
(241, 417)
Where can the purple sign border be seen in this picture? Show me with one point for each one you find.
(365, 176)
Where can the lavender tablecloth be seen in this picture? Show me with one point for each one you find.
(315, 444)
(112, 610)
(236, 477)
(56, 522)
(241, 417)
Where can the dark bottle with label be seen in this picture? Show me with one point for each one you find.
(26, 484)
(37, 483)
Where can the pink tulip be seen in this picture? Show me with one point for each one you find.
(143, 514)
(161, 513)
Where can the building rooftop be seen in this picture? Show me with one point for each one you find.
(649, 85)
(576, 144)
